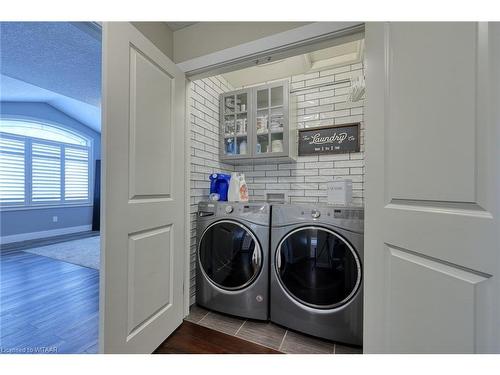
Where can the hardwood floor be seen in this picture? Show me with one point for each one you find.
(47, 305)
(191, 338)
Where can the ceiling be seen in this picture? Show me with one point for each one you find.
(338, 55)
(58, 63)
(174, 26)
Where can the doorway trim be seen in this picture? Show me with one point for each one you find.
(274, 47)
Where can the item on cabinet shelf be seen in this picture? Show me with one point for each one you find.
(241, 126)
(277, 145)
(243, 107)
(238, 191)
(243, 147)
(261, 124)
(230, 148)
(229, 127)
(258, 148)
(219, 184)
(229, 104)
(339, 192)
(275, 125)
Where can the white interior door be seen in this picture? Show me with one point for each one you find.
(143, 206)
(432, 186)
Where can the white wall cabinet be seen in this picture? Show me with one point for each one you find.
(258, 124)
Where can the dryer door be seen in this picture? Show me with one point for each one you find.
(317, 267)
(229, 255)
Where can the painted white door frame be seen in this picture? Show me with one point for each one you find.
(187, 198)
(284, 44)
(281, 45)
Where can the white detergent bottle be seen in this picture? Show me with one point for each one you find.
(233, 194)
(243, 191)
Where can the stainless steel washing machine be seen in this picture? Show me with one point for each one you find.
(316, 270)
(232, 274)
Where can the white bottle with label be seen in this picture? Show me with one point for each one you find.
(243, 191)
(238, 191)
(233, 193)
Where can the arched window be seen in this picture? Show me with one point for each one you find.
(42, 163)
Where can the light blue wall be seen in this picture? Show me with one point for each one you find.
(40, 219)
(17, 221)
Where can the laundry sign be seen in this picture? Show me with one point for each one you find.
(336, 139)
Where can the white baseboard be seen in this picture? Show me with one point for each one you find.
(44, 234)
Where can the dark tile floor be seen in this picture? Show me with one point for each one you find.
(192, 338)
(267, 334)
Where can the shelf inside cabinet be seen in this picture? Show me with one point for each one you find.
(272, 131)
(238, 135)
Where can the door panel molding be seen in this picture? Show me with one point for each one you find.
(143, 246)
(146, 148)
(415, 117)
(439, 265)
(164, 301)
(452, 208)
(431, 218)
(432, 294)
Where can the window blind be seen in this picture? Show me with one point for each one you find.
(76, 174)
(45, 173)
(12, 187)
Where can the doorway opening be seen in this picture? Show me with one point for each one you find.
(320, 80)
(50, 151)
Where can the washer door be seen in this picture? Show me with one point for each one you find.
(229, 255)
(318, 268)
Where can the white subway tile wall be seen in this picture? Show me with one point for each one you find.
(204, 150)
(305, 181)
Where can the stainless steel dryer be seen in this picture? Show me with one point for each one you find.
(316, 270)
(232, 273)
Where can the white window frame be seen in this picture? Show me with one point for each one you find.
(28, 203)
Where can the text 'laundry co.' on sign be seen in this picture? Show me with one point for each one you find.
(336, 139)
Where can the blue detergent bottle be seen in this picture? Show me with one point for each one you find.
(219, 183)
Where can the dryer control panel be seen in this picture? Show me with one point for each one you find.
(351, 218)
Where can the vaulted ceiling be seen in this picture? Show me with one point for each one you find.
(58, 63)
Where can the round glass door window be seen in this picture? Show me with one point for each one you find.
(229, 255)
(318, 267)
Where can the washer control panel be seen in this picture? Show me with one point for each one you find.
(255, 212)
(315, 214)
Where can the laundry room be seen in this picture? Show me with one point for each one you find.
(257, 187)
(276, 200)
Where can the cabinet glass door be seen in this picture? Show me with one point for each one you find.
(270, 120)
(235, 124)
